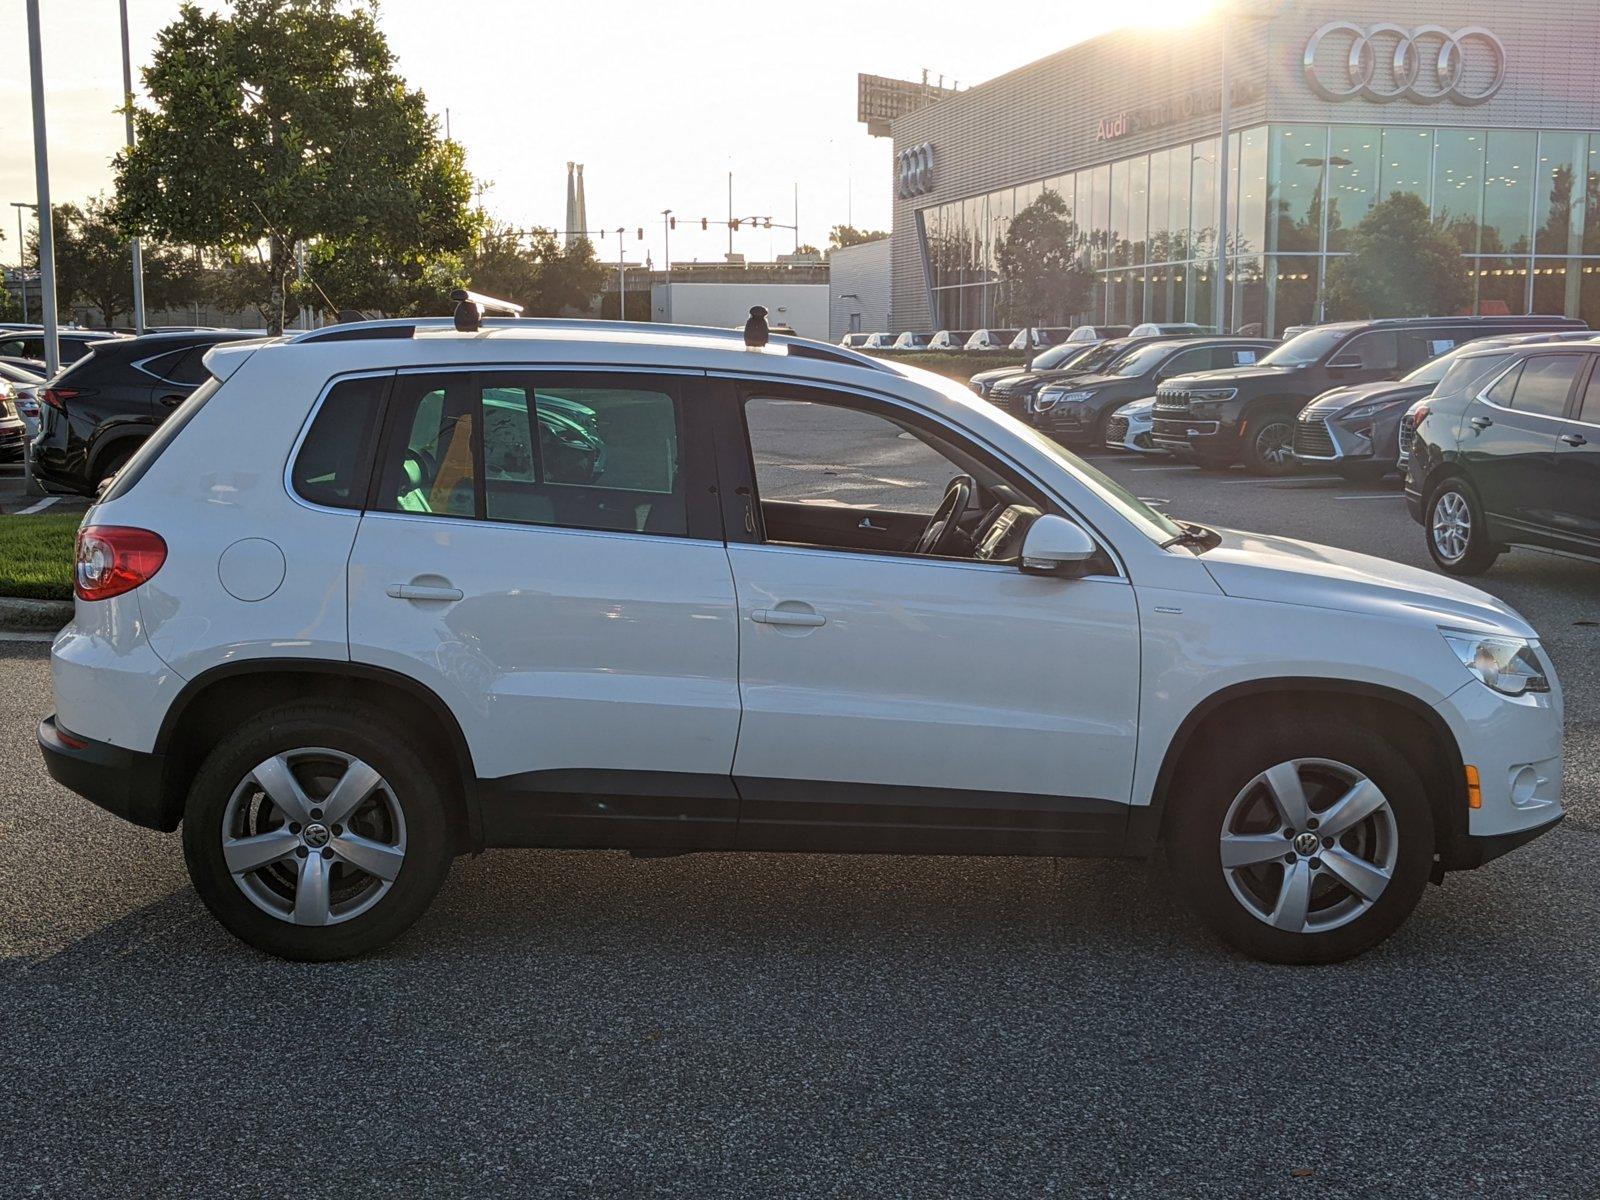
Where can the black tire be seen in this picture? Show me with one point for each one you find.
(413, 788)
(1208, 787)
(1266, 449)
(113, 461)
(1456, 498)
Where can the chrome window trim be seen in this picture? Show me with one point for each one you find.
(139, 366)
(957, 434)
(1481, 396)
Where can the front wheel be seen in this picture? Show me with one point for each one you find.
(1458, 535)
(1268, 449)
(1308, 842)
(313, 832)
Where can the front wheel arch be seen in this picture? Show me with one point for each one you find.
(1415, 726)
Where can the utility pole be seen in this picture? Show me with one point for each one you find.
(47, 241)
(730, 216)
(22, 254)
(1220, 302)
(797, 216)
(127, 100)
(622, 276)
(666, 238)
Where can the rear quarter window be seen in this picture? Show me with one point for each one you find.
(335, 457)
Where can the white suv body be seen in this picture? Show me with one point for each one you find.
(647, 634)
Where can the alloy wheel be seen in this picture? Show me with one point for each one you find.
(1274, 444)
(313, 836)
(1452, 526)
(1309, 845)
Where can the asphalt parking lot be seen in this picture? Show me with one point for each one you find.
(592, 1024)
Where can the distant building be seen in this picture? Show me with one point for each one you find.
(721, 294)
(858, 289)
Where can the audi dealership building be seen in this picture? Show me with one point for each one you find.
(1488, 112)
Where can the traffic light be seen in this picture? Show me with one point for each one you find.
(641, 234)
(767, 224)
(703, 223)
(672, 222)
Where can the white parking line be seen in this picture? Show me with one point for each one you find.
(1178, 467)
(1260, 479)
(1374, 496)
(39, 507)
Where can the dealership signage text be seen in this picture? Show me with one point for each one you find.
(1168, 112)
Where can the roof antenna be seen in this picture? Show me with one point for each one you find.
(755, 329)
(470, 309)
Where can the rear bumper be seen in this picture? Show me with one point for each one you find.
(126, 783)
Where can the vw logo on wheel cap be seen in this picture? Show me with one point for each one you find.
(1385, 62)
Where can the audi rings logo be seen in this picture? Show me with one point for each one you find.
(1386, 62)
(914, 171)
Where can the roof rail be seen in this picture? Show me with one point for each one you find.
(405, 327)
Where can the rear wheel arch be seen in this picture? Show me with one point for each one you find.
(109, 452)
(1415, 728)
(218, 700)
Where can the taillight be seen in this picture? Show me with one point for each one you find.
(57, 398)
(113, 559)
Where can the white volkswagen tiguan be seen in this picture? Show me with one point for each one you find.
(382, 594)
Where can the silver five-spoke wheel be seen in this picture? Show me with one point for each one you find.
(1309, 845)
(1452, 526)
(313, 836)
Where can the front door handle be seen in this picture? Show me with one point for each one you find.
(171, 401)
(784, 616)
(1481, 422)
(416, 591)
(1574, 439)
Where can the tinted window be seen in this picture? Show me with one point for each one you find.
(1546, 380)
(1589, 409)
(1504, 388)
(1463, 374)
(1375, 351)
(515, 447)
(183, 366)
(331, 467)
(163, 366)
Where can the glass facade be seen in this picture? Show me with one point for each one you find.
(1523, 205)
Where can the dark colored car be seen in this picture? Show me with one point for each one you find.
(1056, 358)
(1221, 417)
(1015, 391)
(1356, 429)
(26, 343)
(1507, 452)
(1074, 411)
(99, 410)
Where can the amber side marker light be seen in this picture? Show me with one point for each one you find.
(1474, 791)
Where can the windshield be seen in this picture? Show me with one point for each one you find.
(1100, 357)
(1058, 357)
(1307, 348)
(1433, 370)
(1142, 359)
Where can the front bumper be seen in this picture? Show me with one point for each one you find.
(126, 783)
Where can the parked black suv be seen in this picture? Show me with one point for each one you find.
(26, 342)
(1074, 411)
(1507, 451)
(1248, 415)
(1015, 390)
(98, 411)
(1356, 429)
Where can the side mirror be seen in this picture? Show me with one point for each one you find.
(1056, 546)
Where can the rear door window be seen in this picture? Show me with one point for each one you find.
(1545, 383)
(335, 457)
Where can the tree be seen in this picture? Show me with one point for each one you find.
(1401, 264)
(287, 122)
(94, 265)
(1043, 277)
(841, 236)
(534, 270)
(240, 281)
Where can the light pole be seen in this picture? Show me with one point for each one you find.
(1219, 303)
(22, 254)
(127, 116)
(666, 251)
(622, 276)
(41, 170)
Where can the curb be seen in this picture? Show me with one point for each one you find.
(18, 615)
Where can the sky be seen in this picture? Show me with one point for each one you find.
(660, 101)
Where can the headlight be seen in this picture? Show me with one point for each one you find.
(1048, 399)
(1366, 410)
(1213, 393)
(980, 387)
(1506, 664)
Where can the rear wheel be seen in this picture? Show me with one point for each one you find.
(113, 461)
(1458, 535)
(313, 832)
(1305, 842)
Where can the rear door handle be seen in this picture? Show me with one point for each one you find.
(415, 591)
(1481, 422)
(784, 616)
(171, 401)
(1574, 439)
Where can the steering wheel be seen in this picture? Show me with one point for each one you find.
(942, 527)
(426, 466)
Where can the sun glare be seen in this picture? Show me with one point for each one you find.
(1169, 14)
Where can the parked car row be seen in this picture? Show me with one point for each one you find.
(1029, 338)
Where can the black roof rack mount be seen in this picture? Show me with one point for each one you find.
(470, 307)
